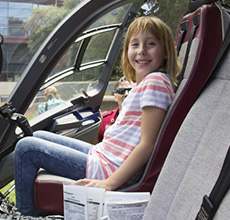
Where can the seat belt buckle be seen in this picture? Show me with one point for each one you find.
(206, 209)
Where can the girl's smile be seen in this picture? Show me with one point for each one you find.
(145, 53)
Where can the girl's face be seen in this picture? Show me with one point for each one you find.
(145, 54)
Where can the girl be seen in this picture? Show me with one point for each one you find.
(149, 59)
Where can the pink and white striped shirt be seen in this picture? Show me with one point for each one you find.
(125, 134)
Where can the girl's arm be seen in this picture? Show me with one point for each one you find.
(152, 119)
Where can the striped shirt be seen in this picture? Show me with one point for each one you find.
(125, 134)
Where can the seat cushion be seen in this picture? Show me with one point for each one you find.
(48, 191)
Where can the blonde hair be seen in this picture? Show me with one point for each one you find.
(163, 33)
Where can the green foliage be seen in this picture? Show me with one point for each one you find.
(43, 20)
(227, 2)
(70, 4)
(170, 11)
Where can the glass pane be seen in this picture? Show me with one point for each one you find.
(3, 13)
(3, 4)
(116, 16)
(72, 86)
(96, 50)
(64, 90)
(3, 20)
(67, 60)
(20, 5)
(98, 47)
(19, 14)
(3, 31)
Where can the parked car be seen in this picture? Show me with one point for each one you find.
(195, 130)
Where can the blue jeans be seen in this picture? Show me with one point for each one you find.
(57, 154)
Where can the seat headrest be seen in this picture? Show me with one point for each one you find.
(194, 4)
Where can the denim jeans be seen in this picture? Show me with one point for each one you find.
(57, 154)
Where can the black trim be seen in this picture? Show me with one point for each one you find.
(194, 4)
(195, 25)
(211, 204)
(1, 52)
(182, 32)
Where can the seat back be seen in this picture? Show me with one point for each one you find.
(201, 58)
(197, 154)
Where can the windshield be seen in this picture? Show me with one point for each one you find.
(80, 68)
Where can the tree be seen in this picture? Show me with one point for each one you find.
(170, 11)
(43, 20)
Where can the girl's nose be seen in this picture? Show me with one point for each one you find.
(142, 50)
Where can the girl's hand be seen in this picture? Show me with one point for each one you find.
(95, 183)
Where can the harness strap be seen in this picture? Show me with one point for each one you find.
(182, 32)
(196, 22)
(211, 204)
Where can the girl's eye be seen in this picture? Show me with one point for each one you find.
(151, 43)
(134, 44)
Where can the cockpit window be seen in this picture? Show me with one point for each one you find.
(116, 16)
(80, 68)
